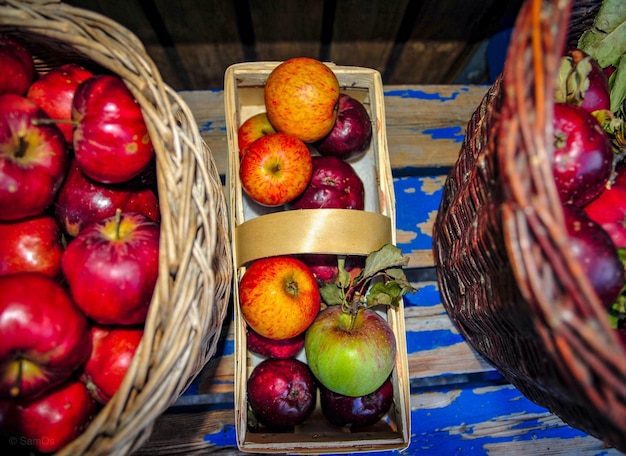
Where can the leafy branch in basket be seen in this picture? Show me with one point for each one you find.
(381, 282)
(605, 41)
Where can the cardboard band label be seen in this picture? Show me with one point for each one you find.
(330, 231)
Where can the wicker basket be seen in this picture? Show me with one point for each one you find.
(194, 285)
(507, 276)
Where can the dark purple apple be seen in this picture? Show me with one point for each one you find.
(334, 184)
(581, 81)
(81, 201)
(583, 158)
(325, 267)
(356, 412)
(272, 348)
(281, 392)
(352, 133)
(595, 251)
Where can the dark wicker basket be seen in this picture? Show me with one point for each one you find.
(507, 276)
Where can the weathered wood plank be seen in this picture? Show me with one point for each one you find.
(470, 419)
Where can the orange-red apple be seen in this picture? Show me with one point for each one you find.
(253, 128)
(301, 98)
(279, 297)
(276, 169)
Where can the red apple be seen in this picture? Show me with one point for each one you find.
(272, 348)
(352, 133)
(279, 297)
(18, 68)
(357, 412)
(45, 338)
(583, 158)
(275, 169)
(50, 422)
(281, 392)
(111, 140)
(609, 209)
(112, 266)
(54, 92)
(113, 351)
(350, 354)
(81, 201)
(33, 159)
(596, 254)
(34, 244)
(252, 129)
(334, 184)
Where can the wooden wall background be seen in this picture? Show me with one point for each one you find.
(408, 41)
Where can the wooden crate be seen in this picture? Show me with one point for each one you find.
(255, 236)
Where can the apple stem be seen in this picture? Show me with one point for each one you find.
(14, 391)
(44, 121)
(23, 147)
(118, 222)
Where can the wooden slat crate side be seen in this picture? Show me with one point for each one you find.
(364, 33)
(444, 36)
(286, 29)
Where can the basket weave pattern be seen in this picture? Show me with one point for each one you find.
(507, 277)
(194, 285)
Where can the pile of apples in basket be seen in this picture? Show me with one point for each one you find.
(312, 317)
(79, 244)
(589, 159)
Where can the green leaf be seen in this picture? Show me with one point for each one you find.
(388, 293)
(617, 84)
(388, 256)
(606, 40)
(332, 295)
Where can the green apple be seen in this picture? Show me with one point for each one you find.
(350, 354)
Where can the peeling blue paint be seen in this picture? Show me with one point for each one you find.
(409, 194)
(225, 438)
(427, 296)
(420, 94)
(430, 340)
(210, 126)
(455, 133)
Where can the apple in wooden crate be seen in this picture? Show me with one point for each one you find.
(301, 98)
(334, 184)
(279, 297)
(352, 133)
(275, 169)
(252, 129)
(282, 393)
